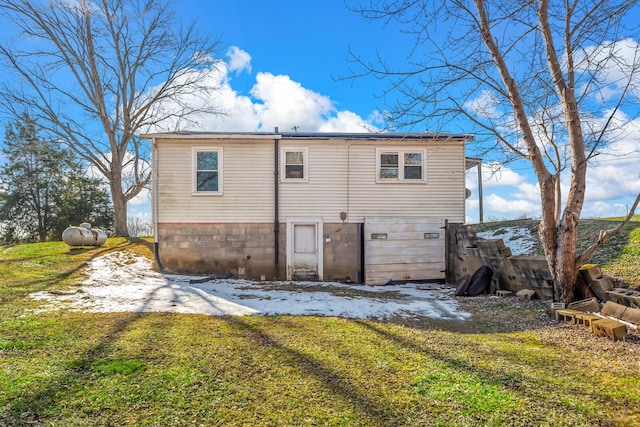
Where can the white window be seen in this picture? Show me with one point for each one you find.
(401, 164)
(295, 164)
(207, 170)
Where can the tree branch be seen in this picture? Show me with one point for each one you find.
(604, 235)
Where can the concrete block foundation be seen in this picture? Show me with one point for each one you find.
(243, 250)
(248, 250)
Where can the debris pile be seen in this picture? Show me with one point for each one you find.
(512, 272)
(612, 321)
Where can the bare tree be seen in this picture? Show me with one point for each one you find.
(94, 74)
(548, 82)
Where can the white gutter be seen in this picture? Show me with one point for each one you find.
(154, 202)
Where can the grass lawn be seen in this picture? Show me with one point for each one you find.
(119, 369)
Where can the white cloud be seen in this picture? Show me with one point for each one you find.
(500, 177)
(346, 121)
(239, 60)
(494, 175)
(605, 210)
(240, 113)
(511, 207)
(142, 212)
(473, 203)
(614, 176)
(528, 191)
(613, 179)
(278, 100)
(143, 198)
(273, 101)
(286, 103)
(613, 63)
(485, 105)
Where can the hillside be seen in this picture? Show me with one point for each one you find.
(619, 257)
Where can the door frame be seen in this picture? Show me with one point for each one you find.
(317, 222)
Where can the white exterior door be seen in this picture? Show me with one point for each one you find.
(305, 253)
(304, 249)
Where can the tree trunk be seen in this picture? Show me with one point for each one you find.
(120, 215)
(559, 236)
(119, 204)
(566, 267)
(42, 231)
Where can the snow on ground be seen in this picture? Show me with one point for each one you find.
(518, 239)
(122, 282)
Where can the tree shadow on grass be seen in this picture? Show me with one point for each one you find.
(35, 404)
(508, 367)
(364, 406)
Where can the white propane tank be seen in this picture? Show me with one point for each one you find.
(84, 235)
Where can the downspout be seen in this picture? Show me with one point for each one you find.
(447, 252)
(348, 179)
(360, 234)
(361, 275)
(276, 213)
(480, 213)
(154, 203)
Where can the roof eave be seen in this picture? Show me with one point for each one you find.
(310, 135)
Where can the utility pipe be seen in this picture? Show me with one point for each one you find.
(276, 213)
(154, 203)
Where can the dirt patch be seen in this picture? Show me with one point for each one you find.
(496, 314)
(490, 314)
(354, 291)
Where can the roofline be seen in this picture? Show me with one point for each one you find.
(310, 135)
(211, 135)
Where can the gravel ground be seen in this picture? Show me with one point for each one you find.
(491, 314)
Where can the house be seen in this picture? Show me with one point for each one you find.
(362, 207)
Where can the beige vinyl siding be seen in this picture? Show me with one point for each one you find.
(324, 195)
(248, 178)
(342, 178)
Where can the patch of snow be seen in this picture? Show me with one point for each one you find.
(122, 282)
(518, 239)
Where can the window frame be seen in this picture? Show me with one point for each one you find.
(194, 171)
(400, 152)
(305, 163)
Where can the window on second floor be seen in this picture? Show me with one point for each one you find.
(295, 164)
(207, 171)
(401, 164)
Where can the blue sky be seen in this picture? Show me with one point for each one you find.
(307, 41)
(282, 63)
